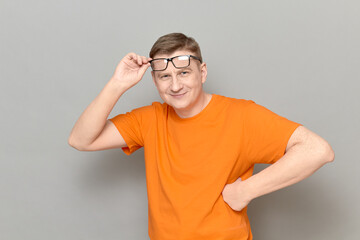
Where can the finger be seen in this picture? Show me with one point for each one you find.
(148, 59)
(143, 69)
(144, 59)
(131, 56)
(139, 60)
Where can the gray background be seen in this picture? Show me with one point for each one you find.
(300, 59)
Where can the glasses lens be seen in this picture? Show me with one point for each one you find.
(158, 64)
(181, 61)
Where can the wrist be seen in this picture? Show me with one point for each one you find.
(117, 85)
(245, 191)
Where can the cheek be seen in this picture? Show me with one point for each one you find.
(161, 88)
(195, 83)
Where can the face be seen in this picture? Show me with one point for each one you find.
(181, 88)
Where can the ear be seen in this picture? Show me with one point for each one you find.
(203, 69)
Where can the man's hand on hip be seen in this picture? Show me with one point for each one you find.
(235, 196)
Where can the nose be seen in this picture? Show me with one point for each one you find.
(176, 84)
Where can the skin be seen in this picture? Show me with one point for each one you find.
(93, 131)
(182, 89)
(305, 153)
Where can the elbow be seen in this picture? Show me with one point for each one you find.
(73, 144)
(328, 154)
(331, 155)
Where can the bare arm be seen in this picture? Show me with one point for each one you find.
(306, 152)
(93, 131)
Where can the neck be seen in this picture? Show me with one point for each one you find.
(195, 109)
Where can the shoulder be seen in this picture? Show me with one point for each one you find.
(246, 108)
(159, 105)
(232, 99)
(145, 112)
(149, 109)
(231, 102)
(151, 112)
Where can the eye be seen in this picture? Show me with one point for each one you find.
(164, 76)
(184, 73)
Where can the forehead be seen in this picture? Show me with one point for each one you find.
(176, 53)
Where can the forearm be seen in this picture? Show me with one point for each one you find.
(92, 121)
(299, 162)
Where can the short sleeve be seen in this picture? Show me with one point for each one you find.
(131, 127)
(266, 134)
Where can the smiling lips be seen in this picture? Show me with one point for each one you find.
(178, 95)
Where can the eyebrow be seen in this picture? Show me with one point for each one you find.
(186, 68)
(158, 73)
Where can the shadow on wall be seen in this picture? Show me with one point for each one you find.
(310, 203)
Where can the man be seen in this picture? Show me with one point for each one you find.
(200, 148)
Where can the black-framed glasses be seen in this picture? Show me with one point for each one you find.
(182, 61)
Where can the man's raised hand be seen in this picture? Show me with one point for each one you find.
(130, 70)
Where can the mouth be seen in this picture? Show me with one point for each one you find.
(178, 95)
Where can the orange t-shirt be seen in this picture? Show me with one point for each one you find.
(189, 161)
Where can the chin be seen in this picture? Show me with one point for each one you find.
(179, 106)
